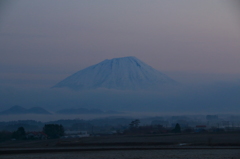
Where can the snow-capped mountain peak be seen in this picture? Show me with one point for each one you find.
(126, 73)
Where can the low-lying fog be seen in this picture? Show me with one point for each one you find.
(195, 94)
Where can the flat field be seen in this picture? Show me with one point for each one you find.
(133, 154)
(165, 146)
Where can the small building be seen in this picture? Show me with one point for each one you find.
(36, 135)
(75, 134)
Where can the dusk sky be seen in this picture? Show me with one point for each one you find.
(52, 37)
(43, 42)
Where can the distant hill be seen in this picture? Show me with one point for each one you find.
(84, 111)
(20, 110)
(37, 110)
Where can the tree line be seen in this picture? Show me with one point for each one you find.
(51, 130)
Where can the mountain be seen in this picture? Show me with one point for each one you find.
(20, 110)
(14, 110)
(80, 111)
(126, 73)
(37, 110)
(85, 111)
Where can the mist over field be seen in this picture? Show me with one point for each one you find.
(214, 96)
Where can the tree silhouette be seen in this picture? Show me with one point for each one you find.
(177, 128)
(19, 134)
(53, 130)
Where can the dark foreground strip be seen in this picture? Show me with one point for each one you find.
(122, 144)
(52, 150)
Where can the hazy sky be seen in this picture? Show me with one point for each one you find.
(43, 41)
(62, 37)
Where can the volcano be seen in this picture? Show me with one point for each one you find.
(126, 73)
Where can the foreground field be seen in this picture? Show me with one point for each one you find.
(133, 154)
(168, 146)
(207, 139)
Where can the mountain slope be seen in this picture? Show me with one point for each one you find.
(79, 111)
(15, 110)
(37, 110)
(127, 73)
(85, 111)
(20, 110)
